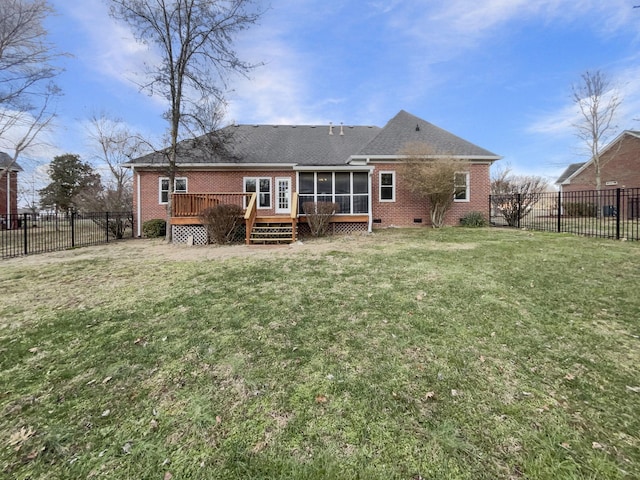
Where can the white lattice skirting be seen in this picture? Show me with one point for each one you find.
(336, 228)
(182, 233)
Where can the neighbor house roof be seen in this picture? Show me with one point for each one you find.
(405, 129)
(5, 161)
(569, 171)
(313, 145)
(575, 168)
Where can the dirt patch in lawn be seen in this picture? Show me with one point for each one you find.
(157, 249)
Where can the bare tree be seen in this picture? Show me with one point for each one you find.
(195, 41)
(28, 190)
(514, 196)
(432, 178)
(26, 73)
(597, 102)
(115, 145)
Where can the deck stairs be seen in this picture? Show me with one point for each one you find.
(272, 230)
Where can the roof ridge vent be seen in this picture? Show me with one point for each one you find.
(341, 129)
(330, 128)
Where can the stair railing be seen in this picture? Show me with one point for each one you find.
(250, 217)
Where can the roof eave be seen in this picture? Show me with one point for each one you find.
(209, 166)
(379, 158)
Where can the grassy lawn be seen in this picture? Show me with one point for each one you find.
(452, 354)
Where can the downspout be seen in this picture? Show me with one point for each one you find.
(138, 208)
(370, 228)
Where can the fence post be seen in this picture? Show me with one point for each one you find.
(107, 225)
(617, 214)
(26, 234)
(73, 228)
(133, 230)
(489, 209)
(519, 200)
(559, 210)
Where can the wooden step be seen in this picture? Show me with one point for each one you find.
(270, 233)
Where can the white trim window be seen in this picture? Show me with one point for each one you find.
(261, 186)
(350, 190)
(461, 187)
(387, 187)
(179, 186)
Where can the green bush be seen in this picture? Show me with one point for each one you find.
(580, 209)
(154, 228)
(474, 219)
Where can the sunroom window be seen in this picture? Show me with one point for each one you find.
(350, 190)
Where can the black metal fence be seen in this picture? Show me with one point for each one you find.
(612, 213)
(29, 233)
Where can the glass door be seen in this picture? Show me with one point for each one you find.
(283, 198)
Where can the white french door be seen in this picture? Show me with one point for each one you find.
(283, 195)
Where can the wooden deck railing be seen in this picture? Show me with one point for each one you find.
(250, 217)
(191, 204)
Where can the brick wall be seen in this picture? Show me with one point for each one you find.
(408, 208)
(200, 182)
(402, 212)
(13, 186)
(620, 163)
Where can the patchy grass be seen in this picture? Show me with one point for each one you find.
(450, 354)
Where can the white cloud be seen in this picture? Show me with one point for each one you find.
(111, 48)
(461, 23)
(561, 121)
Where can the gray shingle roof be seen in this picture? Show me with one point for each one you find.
(6, 160)
(570, 170)
(309, 145)
(405, 129)
(277, 144)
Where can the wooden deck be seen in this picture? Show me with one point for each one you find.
(259, 229)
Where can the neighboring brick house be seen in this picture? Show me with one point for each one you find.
(8, 188)
(356, 167)
(619, 167)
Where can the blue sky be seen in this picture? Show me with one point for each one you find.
(495, 72)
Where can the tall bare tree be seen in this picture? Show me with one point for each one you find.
(598, 103)
(27, 70)
(194, 39)
(431, 177)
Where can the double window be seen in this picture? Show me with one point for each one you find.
(261, 186)
(179, 186)
(461, 187)
(350, 190)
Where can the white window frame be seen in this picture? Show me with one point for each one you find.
(258, 191)
(467, 193)
(392, 186)
(176, 179)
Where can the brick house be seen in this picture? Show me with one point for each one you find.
(619, 167)
(8, 187)
(283, 166)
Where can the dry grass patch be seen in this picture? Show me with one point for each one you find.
(471, 354)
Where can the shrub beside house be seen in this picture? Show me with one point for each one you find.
(355, 167)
